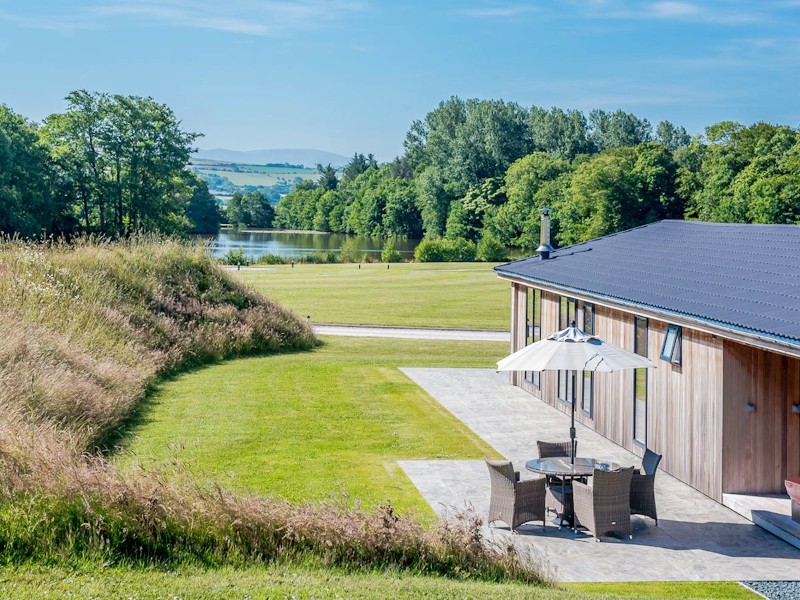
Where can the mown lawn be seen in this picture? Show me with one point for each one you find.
(309, 425)
(280, 581)
(459, 295)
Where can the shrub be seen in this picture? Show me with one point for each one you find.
(273, 259)
(389, 254)
(348, 253)
(236, 257)
(443, 250)
(491, 249)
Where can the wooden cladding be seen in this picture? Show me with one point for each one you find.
(684, 421)
(761, 445)
(697, 411)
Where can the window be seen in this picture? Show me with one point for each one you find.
(640, 384)
(566, 316)
(671, 350)
(534, 328)
(587, 392)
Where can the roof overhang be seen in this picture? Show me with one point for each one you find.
(722, 330)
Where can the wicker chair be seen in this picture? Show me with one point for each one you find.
(556, 496)
(512, 501)
(643, 493)
(604, 506)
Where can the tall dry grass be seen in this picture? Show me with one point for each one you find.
(85, 329)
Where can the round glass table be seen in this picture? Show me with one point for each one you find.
(564, 469)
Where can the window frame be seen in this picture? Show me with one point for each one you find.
(640, 437)
(673, 355)
(564, 378)
(587, 385)
(533, 329)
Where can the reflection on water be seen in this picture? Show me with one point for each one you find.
(287, 244)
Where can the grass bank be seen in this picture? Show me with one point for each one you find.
(313, 425)
(459, 295)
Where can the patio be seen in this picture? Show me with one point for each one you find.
(696, 538)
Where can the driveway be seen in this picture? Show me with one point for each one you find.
(696, 538)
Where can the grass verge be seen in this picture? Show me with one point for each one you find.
(458, 295)
(313, 425)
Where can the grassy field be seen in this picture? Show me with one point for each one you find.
(460, 295)
(310, 425)
(279, 581)
(244, 174)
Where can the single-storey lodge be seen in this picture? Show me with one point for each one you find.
(717, 307)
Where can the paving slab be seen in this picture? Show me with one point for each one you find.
(696, 538)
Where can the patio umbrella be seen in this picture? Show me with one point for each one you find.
(572, 350)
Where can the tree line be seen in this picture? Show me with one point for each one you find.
(109, 164)
(474, 169)
(471, 169)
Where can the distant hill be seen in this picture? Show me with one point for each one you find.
(296, 156)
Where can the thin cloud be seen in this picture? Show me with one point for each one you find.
(615, 93)
(676, 10)
(246, 17)
(494, 10)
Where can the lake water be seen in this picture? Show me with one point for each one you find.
(289, 245)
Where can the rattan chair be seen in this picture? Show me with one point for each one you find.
(512, 501)
(559, 494)
(643, 493)
(604, 505)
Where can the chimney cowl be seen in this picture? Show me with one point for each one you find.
(545, 248)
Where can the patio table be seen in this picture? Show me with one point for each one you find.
(560, 466)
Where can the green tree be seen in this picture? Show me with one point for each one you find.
(121, 160)
(327, 177)
(202, 208)
(618, 129)
(27, 206)
(563, 134)
(260, 210)
(236, 210)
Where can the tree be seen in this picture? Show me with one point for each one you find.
(744, 174)
(563, 134)
(671, 136)
(120, 162)
(26, 204)
(327, 177)
(260, 209)
(237, 211)
(618, 129)
(202, 209)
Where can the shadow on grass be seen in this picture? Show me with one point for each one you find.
(141, 415)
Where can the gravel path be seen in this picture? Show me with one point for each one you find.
(414, 333)
(775, 590)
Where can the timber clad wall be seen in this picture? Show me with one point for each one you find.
(762, 447)
(697, 417)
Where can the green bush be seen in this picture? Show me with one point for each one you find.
(441, 250)
(389, 254)
(491, 249)
(273, 259)
(236, 257)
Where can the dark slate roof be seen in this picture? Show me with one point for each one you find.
(740, 277)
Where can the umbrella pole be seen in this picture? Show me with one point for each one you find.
(572, 423)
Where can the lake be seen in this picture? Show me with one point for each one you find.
(293, 244)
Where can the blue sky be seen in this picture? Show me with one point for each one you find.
(350, 75)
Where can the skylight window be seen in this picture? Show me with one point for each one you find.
(671, 350)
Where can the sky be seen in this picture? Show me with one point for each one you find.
(351, 75)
